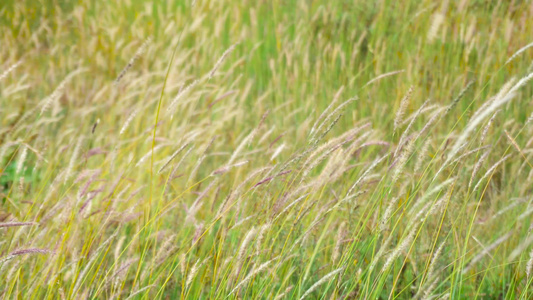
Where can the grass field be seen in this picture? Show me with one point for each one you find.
(365, 149)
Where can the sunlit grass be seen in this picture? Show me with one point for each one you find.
(265, 149)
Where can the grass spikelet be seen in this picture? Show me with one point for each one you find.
(30, 251)
(400, 248)
(521, 83)
(504, 90)
(340, 140)
(486, 251)
(436, 115)
(289, 206)
(239, 148)
(529, 265)
(241, 221)
(137, 55)
(334, 112)
(431, 107)
(434, 259)
(515, 145)
(242, 249)
(515, 55)
(22, 158)
(529, 120)
(422, 154)
(73, 159)
(263, 118)
(477, 166)
(401, 161)
(150, 153)
(140, 291)
(95, 254)
(328, 129)
(464, 155)
(260, 236)
(214, 170)
(221, 60)
(387, 214)
(521, 247)
(427, 292)
(320, 282)
(193, 271)
(10, 69)
(277, 151)
(477, 119)
(254, 272)
(323, 114)
(408, 128)
(365, 174)
(284, 293)
(128, 121)
(436, 21)
(319, 159)
(194, 171)
(339, 239)
(17, 224)
(225, 169)
(180, 95)
(171, 158)
(58, 91)
(489, 171)
(416, 206)
(459, 97)
(403, 107)
(178, 164)
(383, 76)
(486, 128)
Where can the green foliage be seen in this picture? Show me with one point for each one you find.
(284, 174)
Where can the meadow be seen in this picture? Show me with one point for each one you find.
(327, 149)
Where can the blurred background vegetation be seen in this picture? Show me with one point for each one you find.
(65, 117)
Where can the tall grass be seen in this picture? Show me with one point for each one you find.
(266, 149)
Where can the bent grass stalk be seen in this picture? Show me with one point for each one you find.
(341, 172)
